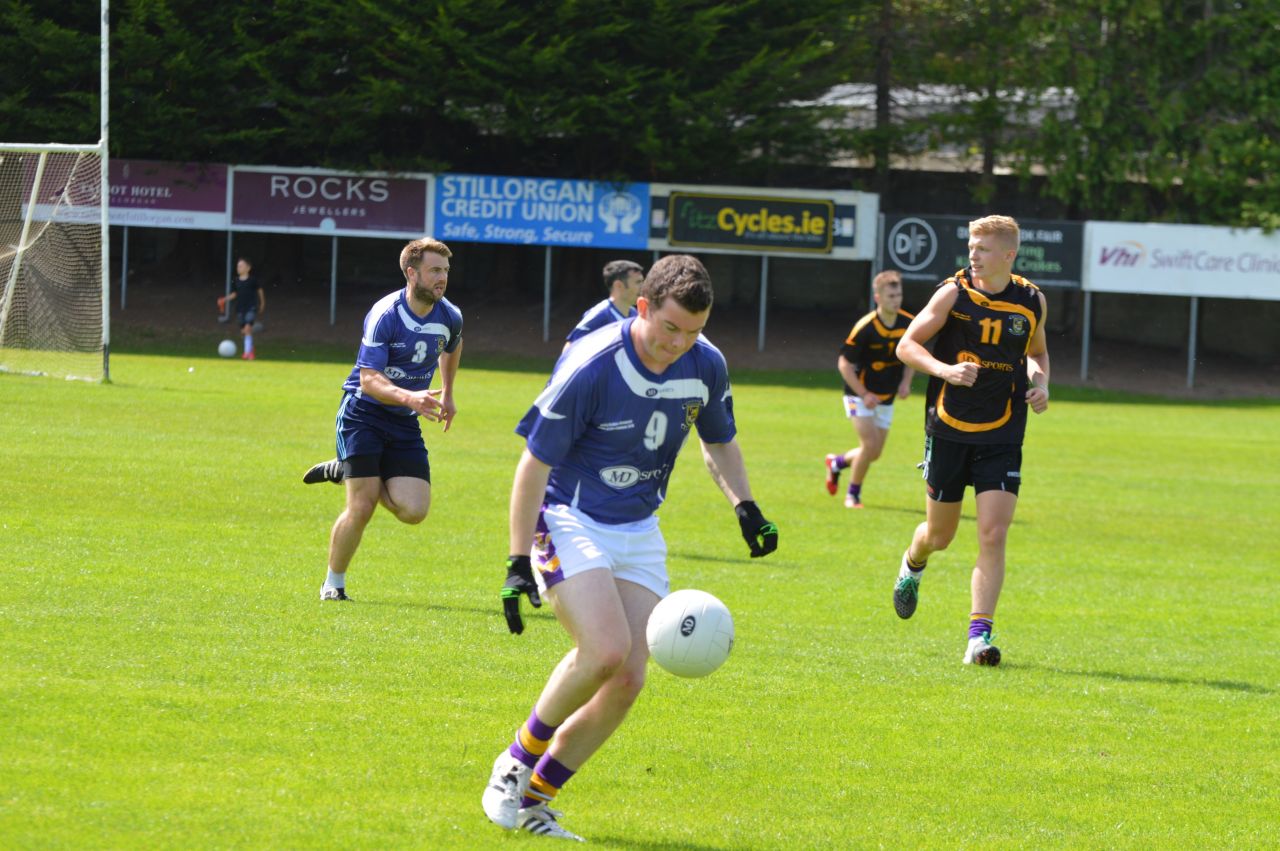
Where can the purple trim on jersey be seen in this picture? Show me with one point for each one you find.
(596, 318)
(404, 346)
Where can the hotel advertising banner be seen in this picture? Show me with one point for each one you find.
(1184, 260)
(153, 194)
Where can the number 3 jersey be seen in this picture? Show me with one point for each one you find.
(610, 429)
(403, 346)
(993, 330)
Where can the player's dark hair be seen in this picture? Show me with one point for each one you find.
(681, 276)
(411, 254)
(619, 270)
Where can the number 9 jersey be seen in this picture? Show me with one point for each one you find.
(610, 429)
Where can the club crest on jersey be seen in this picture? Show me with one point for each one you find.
(1017, 325)
(439, 345)
(691, 411)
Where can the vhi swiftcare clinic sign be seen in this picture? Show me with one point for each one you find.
(777, 224)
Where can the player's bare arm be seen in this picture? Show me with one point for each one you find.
(926, 325)
(426, 403)
(728, 470)
(527, 493)
(849, 373)
(1038, 364)
(448, 371)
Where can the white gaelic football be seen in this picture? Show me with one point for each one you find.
(227, 348)
(690, 633)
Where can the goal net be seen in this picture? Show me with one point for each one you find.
(51, 275)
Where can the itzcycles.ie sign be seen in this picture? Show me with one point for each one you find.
(757, 222)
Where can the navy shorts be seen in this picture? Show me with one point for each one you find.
(373, 441)
(249, 316)
(950, 466)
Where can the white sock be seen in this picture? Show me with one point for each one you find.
(248, 347)
(336, 580)
(906, 569)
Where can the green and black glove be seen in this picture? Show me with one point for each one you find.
(761, 535)
(519, 581)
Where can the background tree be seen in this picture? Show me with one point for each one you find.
(1141, 109)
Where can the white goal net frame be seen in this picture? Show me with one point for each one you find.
(55, 250)
(54, 297)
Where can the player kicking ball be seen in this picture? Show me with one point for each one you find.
(600, 443)
(873, 376)
(989, 364)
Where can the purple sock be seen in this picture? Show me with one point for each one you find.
(842, 463)
(855, 490)
(978, 624)
(532, 740)
(548, 777)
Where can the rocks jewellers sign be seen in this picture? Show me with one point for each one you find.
(336, 203)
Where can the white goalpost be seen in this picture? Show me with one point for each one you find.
(55, 316)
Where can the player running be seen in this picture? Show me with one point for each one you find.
(381, 455)
(601, 441)
(622, 280)
(990, 362)
(873, 376)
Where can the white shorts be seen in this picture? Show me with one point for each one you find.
(853, 407)
(568, 542)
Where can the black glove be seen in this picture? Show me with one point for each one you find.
(519, 581)
(761, 535)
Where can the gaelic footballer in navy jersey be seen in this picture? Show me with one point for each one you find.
(381, 458)
(601, 441)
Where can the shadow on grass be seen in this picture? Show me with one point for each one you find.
(621, 842)
(526, 610)
(1224, 685)
(672, 556)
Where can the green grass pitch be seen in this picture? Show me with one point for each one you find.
(170, 679)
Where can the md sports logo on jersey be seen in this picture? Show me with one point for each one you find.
(970, 357)
(624, 476)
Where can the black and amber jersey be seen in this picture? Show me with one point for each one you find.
(872, 348)
(994, 331)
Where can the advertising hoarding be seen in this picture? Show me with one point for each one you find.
(1183, 260)
(541, 211)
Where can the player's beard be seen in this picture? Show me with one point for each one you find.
(424, 295)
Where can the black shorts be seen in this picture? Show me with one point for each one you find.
(950, 466)
(248, 317)
(375, 442)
